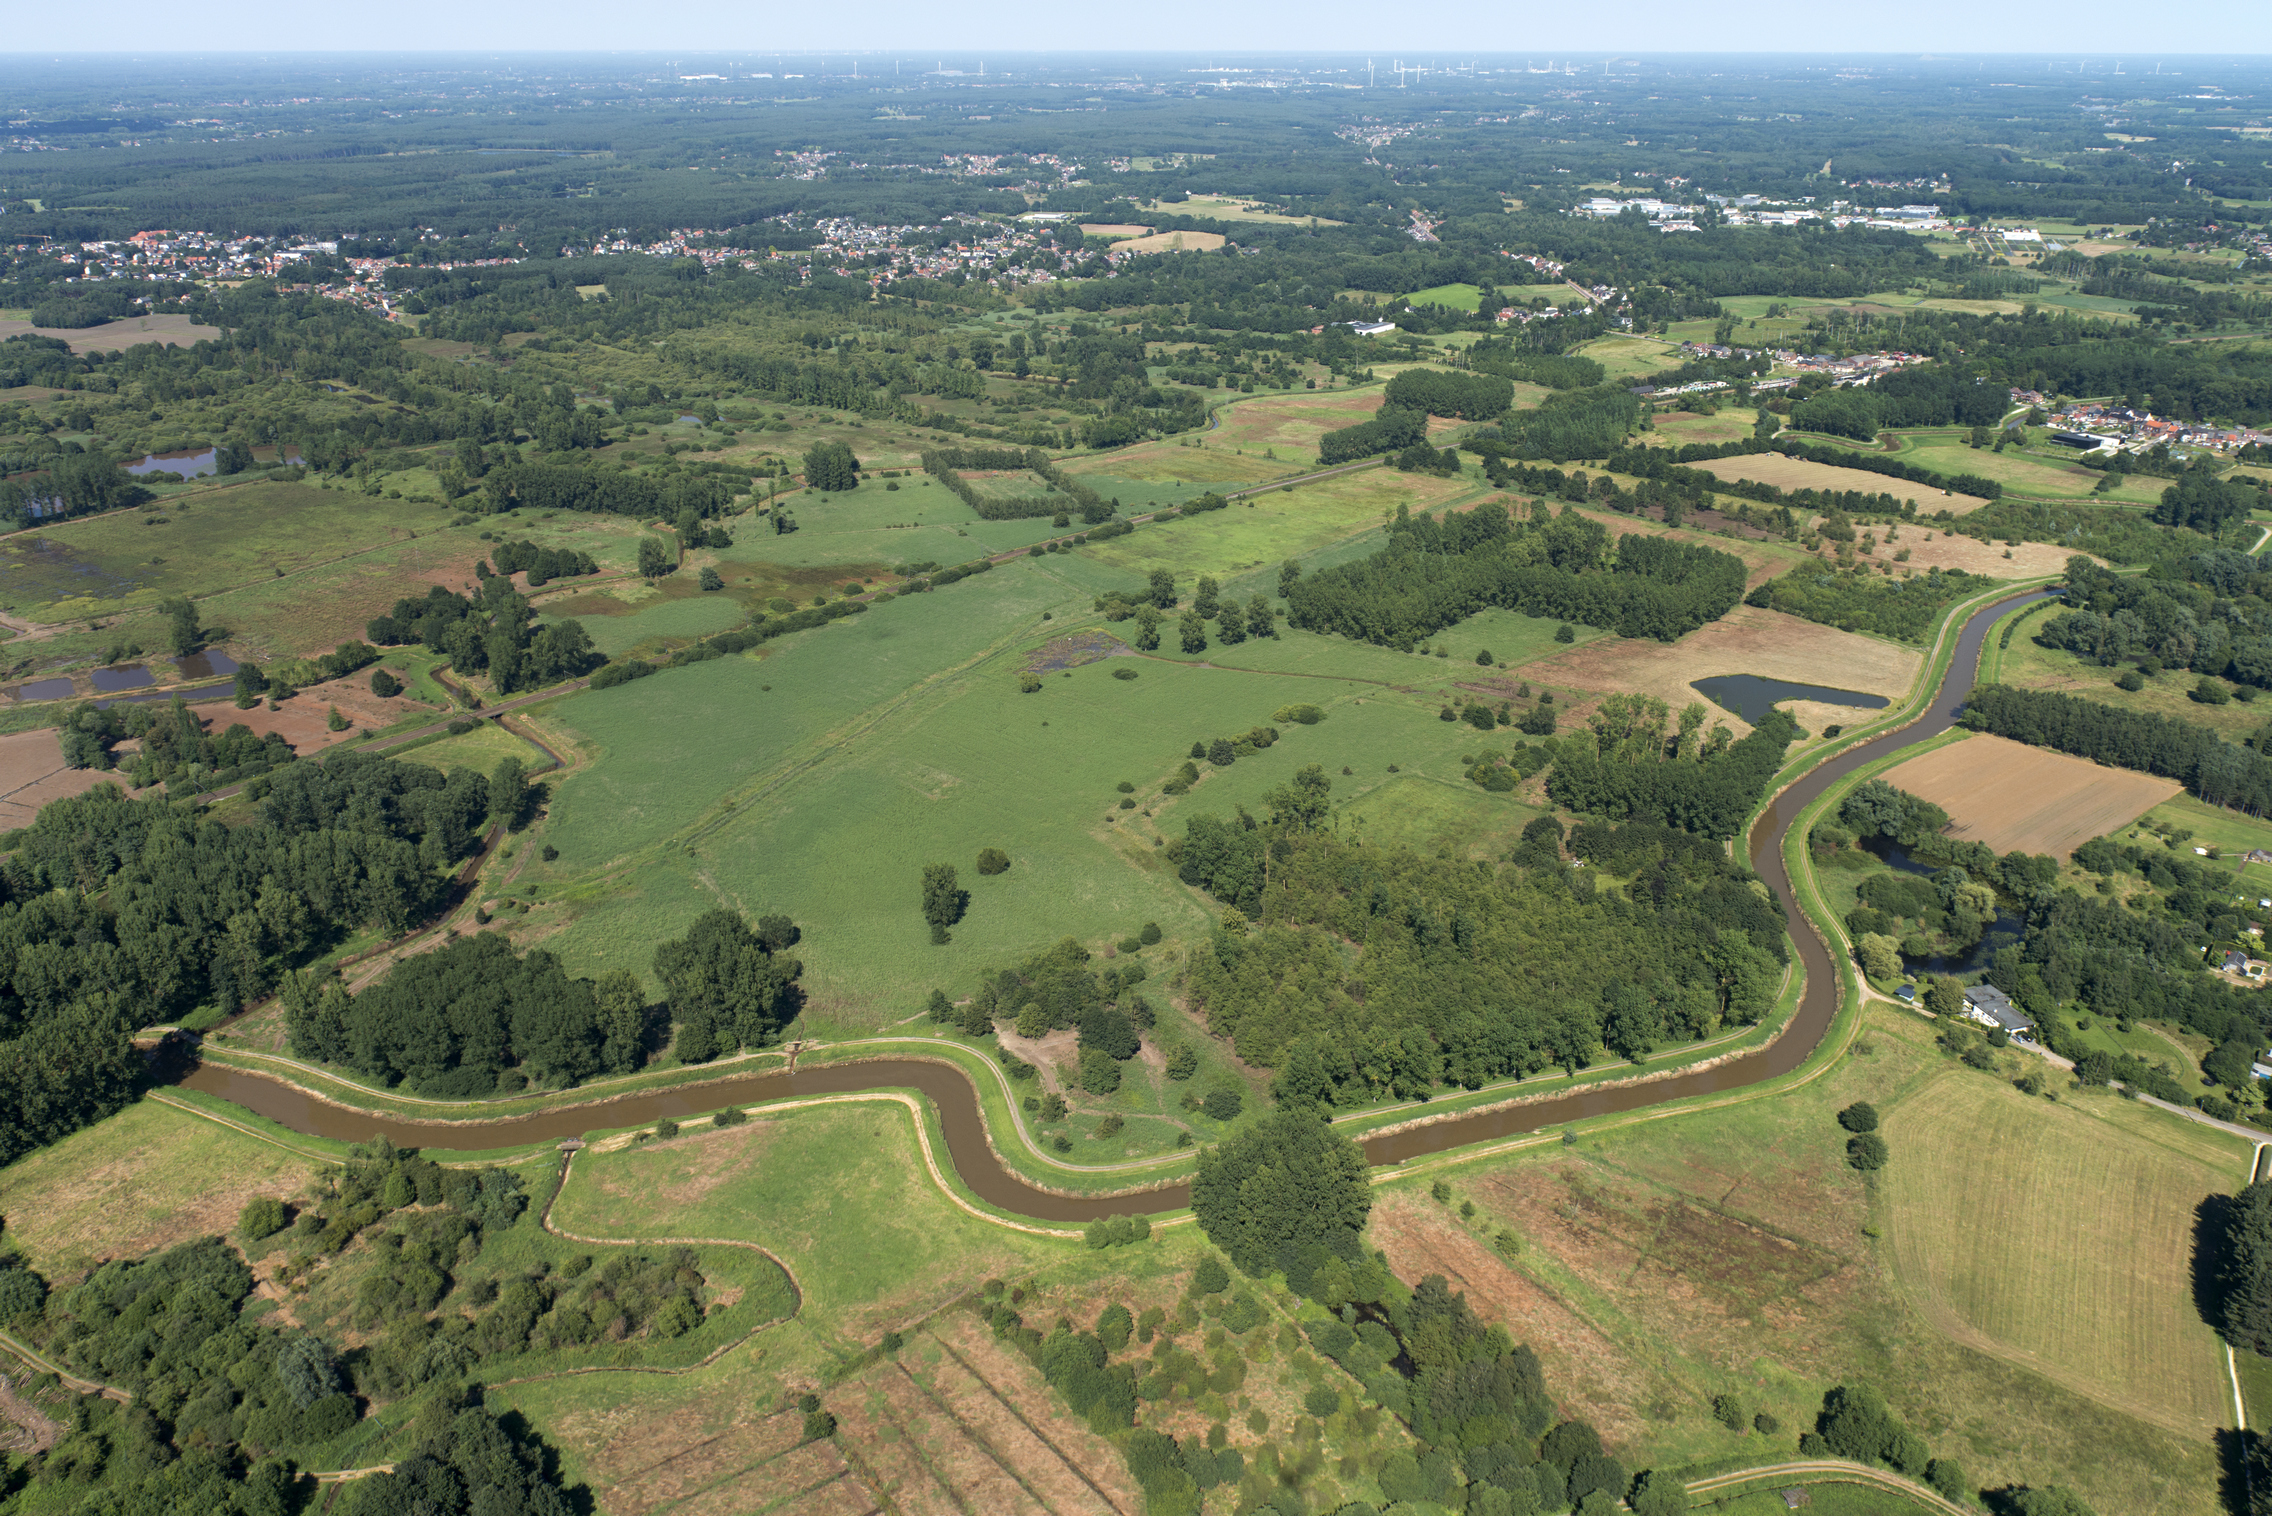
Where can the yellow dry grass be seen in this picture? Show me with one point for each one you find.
(1171, 242)
(148, 1178)
(1748, 640)
(2020, 1229)
(2012, 796)
(111, 337)
(1113, 229)
(1799, 474)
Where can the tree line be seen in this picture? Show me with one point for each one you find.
(2217, 771)
(1858, 600)
(1434, 573)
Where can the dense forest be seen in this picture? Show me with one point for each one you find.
(2209, 612)
(125, 913)
(1466, 975)
(1434, 573)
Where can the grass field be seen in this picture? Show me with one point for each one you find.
(2027, 799)
(141, 1181)
(479, 749)
(898, 738)
(1731, 1252)
(1680, 428)
(1991, 1253)
(2030, 666)
(1631, 357)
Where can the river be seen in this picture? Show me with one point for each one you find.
(957, 1102)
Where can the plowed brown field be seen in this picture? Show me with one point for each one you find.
(2015, 797)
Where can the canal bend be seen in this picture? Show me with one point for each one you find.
(956, 1099)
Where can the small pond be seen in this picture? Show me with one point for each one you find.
(200, 692)
(1752, 697)
(190, 463)
(2003, 932)
(132, 676)
(45, 689)
(210, 664)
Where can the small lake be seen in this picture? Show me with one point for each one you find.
(201, 692)
(190, 463)
(1752, 697)
(130, 677)
(210, 664)
(2003, 932)
(45, 689)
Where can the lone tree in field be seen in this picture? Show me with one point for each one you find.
(943, 899)
(654, 558)
(992, 860)
(385, 685)
(831, 466)
(1859, 1117)
(728, 988)
(1289, 1182)
(1194, 632)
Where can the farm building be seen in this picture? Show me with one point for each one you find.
(1991, 1007)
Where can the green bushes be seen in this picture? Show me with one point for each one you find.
(261, 1218)
(1860, 600)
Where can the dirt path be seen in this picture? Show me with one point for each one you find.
(24, 1427)
(1828, 1471)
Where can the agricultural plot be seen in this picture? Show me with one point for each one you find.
(32, 774)
(1171, 242)
(1291, 424)
(1747, 640)
(117, 336)
(638, 616)
(875, 525)
(1680, 428)
(1631, 357)
(1799, 474)
(1724, 1252)
(2027, 799)
(2003, 1256)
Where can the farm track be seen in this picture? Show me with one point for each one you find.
(1828, 1471)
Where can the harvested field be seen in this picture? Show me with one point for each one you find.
(2015, 797)
(744, 1467)
(1947, 550)
(32, 774)
(1799, 474)
(1171, 242)
(1748, 640)
(2067, 1255)
(1113, 229)
(1679, 428)
(1291, 423)
(173, 331)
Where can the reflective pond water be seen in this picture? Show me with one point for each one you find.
(2003, 932)
(130, 677)
(45, 689)
(210, 664)
(191, 463)
(1752, 697)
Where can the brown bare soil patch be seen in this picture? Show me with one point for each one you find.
(172, 331)
(1069, 1446)
(1606, 1387)
(2012, 796)
(1799, 474)
(1748, 640)
(304, 720)
(1047, 1053)
(894, 1414)
(814, 1466)
(660, 1464)
(1113, 229)
(840, 1497)
(32, 774)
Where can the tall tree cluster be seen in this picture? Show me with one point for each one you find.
(1433, 574)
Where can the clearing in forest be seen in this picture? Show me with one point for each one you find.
(2027, 799)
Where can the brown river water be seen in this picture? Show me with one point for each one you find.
(950, 1091)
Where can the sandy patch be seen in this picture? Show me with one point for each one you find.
(2029, 560)
(1748, 640)
(32, 774)
(2012, 796)
(1799, 474)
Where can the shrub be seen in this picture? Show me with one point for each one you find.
(2131, 680)
(992, 860)
(1321, 1401)
(819, 1425)
(1867, 1152)
(1115, 1326)
(666, 1128)
(1100, 1071)
(1861, 1116)
(1150, 934)
(385, 685)
(1484, 657)
(1211, 1277)
(1223, 1104)
(1301, 715)
(261, 1217)
(1124, 672)
(1728, 1411)
(1565, 633)
(1028, 682)
(730, 1116)
(1765, 1424)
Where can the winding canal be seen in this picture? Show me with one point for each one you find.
(951, 1092)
